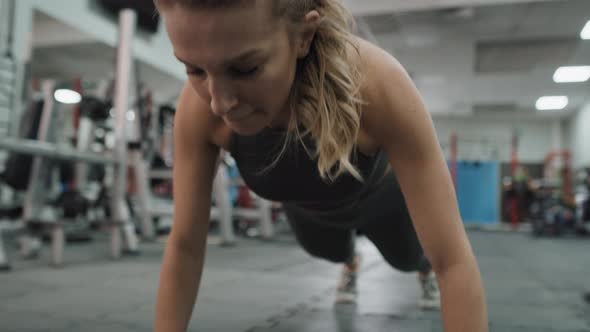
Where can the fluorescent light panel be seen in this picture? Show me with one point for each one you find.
(552, 103)
(573, 74)
(585, 34)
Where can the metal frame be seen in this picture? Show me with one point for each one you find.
(127, 24)
(43, 150)
(85, 135)
(51, 151)
(143, 193)
(223, 211)
(7, 92)
(5, 25)
(34, 189)
(3, 259)
(224, 208)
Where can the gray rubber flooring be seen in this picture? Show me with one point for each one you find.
(532, 285)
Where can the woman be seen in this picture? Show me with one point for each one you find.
(321, 121)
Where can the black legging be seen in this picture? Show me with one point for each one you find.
(383, 218)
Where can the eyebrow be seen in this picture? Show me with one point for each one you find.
(244, 56)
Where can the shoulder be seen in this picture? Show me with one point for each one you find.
(196, 122)
(382, 75)
(391, 101)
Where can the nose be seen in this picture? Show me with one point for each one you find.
(223, 97)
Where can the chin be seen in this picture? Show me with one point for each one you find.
(245, 129)
(251, 125)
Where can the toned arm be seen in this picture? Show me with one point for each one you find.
(397, 119)
(194, 168)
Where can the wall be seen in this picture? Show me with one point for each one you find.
(579, 137)
(487, 138)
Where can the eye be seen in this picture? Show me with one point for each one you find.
(244, 72)
(195, 72)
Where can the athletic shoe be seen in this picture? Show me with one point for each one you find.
(430, 299)
(346, 292)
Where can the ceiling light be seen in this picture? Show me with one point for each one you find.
(551, 103)
(66, 96)
(586, 32)
(572, 74)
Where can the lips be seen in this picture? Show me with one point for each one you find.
(238, 116)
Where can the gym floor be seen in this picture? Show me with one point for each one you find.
(532, 285)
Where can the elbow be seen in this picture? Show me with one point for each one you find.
(441, 264)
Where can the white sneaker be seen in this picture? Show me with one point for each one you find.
(430, 299)
(346, 292)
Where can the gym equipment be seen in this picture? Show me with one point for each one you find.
(7, 93)
(11, 212)
(4, 266)
(127, 23)
(42, 151)
(147, 20)
(141, 167)
(551, 214)
(555, 208)
(258, 209)
(17, 169)
(48, 150)
(94, 108)
(72, 204)
(560, 158)
(149, 207)
(223, 210)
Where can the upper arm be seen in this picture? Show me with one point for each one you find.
(194, 168)
(397, 119)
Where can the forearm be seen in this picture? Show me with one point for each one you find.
(179, 283)
(463, 299)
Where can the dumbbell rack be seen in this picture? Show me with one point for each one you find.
(222, 212)
(7, 97)
(7, 103)
(120, 225)
(7, 83)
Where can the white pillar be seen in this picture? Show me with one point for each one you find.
(85, 135)
(265, 226)
(143, 194)
(222, 200)
(127, 23)
(32, 206)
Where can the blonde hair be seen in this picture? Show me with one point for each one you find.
(325, 98)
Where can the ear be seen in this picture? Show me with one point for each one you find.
(311, 23)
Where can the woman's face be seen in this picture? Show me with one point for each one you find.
(240, 60)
